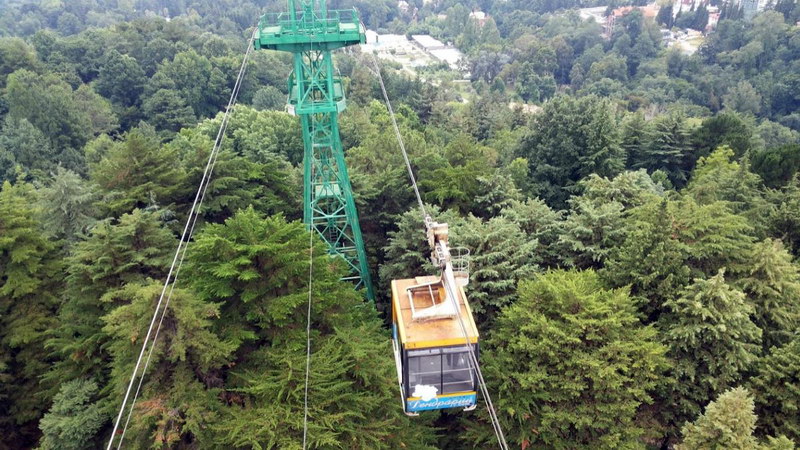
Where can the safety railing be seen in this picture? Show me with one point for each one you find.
(304, 23)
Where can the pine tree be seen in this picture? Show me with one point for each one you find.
(634, 137)
(772, 284)
(30, 274)
(727, 423)
(74, 419)
(569, 365)
(652, 261)
(271, 187)
(776, 387)
(712, 343)
(181, 392)
(718, 178)
(595, 226)
(784, 219)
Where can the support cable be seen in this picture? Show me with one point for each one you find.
(473, 360)
(308, 313)
(308, 336)
(400, 142)
(180, 253)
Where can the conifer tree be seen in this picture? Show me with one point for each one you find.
(718, 178)
(727, 423)
(772, 284)
(257, 270)
(271, 186)
(181, 391)
(776, 387)
(67, 205)
(138, 173)
(30, 274)
(651, 260)
(540, 222)
(569, 365)
(74, 419)
(668, 148)
(712, 343)
(595, 225)
(132, 250)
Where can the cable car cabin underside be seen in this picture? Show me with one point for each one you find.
(430, 348)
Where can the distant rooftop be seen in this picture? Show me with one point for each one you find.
(427, 41)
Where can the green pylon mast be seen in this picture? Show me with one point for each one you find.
(310, 32)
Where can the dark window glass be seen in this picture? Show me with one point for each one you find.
(425, 370)
(456, 374)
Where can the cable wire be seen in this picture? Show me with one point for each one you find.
(400, 142)
(311, 233)
(473, 360)
(308, 335)
(186, 236)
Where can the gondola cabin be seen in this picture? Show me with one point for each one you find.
(430, 349)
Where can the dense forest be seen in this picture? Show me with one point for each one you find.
(635, 229)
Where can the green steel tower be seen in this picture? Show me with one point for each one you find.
(310, 32)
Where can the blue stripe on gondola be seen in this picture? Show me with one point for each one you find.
(455, 401)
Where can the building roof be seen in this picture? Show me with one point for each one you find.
(427, 41)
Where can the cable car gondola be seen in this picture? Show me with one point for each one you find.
(431, 332)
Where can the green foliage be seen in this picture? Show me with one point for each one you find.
(784, 219)
(73, 419)
(180, 395)
(717, 178)
(238, 181)
(569, 140)
(269, 97)
(712, 344)
(27, 147)
(67, 205)
(121, 79)
(167, 110)
(776, 387)
(15, 54)
(723, 129)
(115, 254)
(595, 225)
(727, 422)
(29, 269)
(571, 364)
(541, 223)
(259, 274)
(777, 166)
(49, 105)
(668, 148)
(772, 284)
(138, 172)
